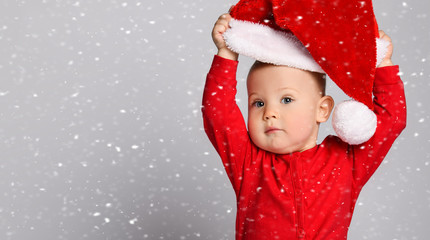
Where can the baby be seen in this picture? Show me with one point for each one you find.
(287, 186)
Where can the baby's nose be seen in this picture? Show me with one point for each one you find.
(267, 117)
(270, 114)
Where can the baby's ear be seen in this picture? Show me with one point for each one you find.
(325, 106)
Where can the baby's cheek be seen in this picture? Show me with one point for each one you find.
(252, 120)
(251, 129)
(304, 121)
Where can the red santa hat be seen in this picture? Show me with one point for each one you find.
(336, 37)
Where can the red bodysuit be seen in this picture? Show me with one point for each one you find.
(302, 195)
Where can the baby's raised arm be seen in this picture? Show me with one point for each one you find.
(223, 121)
(390, 108)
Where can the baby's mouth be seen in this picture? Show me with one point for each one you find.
(272, 130)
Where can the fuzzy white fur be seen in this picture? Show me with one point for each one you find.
(354, 122)
(268, 45)
(271, 46)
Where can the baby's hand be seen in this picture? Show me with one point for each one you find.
(221, 25)
(387, 59)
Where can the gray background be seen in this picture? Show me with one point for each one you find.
(101, 133)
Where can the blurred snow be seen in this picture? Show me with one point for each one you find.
(101, 132)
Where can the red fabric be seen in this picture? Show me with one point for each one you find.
(340, 35)
(303, 195)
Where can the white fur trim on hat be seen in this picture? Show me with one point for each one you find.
(268, 45)
(354, 122)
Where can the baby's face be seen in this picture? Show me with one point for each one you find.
(282, 108)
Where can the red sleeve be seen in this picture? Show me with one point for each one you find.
(390, 109)
(223, 121)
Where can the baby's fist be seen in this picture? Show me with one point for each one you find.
(221, 25)
(387, 59)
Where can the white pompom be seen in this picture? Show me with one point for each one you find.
(354, 122)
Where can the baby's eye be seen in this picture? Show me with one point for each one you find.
(258, 104)
(286, 100)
